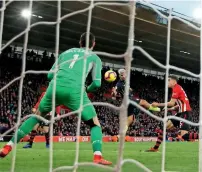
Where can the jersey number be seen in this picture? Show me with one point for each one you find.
(75, 57)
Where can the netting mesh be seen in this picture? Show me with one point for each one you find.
(128, 59)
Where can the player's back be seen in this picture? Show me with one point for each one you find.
(71, 65)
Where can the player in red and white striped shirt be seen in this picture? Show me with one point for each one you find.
(180, 102)
(42, 126)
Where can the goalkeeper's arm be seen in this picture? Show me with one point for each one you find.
(96, 76)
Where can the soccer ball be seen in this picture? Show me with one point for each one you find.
(110, 76)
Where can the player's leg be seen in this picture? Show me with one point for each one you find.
(184, 128)
(130, 120)
(169, 126)
(42, 127)
(134, 111)
(26, 127)
(32, 136)
(46, 131)
(147, 105)
(185, 135)
(89, 116)
(131, 116)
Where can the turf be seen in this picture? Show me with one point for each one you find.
(180, 156)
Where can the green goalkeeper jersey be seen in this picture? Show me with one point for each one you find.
(71, 65)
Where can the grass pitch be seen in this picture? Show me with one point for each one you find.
(180, 157)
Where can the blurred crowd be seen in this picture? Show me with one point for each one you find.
(151, 88)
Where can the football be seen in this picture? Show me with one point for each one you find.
(110, 76)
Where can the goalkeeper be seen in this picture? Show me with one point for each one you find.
(69, 78)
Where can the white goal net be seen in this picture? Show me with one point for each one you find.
(127, 56)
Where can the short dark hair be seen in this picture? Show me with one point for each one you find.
(174, 77)
(83, 39)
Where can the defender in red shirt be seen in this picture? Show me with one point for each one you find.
(180, 103)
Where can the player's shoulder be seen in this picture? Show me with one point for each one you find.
(72, 50)
(177, 87)
(94, 56)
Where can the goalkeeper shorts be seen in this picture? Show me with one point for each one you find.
(69, 97)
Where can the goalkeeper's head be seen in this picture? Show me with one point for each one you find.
(172, 81)
(83, 41)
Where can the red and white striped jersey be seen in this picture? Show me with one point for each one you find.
(181, 97)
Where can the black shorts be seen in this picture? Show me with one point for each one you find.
(181, 125)
(132, 110)
(42, 123)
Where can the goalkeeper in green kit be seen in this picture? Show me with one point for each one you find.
(68, 92)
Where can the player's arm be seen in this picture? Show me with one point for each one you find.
(114, 91)
(96, 76)
(50, 73)
(171, 103)
(172, 108)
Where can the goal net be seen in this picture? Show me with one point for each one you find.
(127, 56)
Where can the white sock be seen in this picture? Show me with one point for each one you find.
(10, 143)
(97, 153)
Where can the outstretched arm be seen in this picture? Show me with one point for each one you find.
(173, 108)
(114, 91)
(171, 103)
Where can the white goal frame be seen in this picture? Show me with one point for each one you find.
(128, 59)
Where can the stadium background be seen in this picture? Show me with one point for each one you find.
(110, 25)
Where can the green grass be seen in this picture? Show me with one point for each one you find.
(180, 156)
